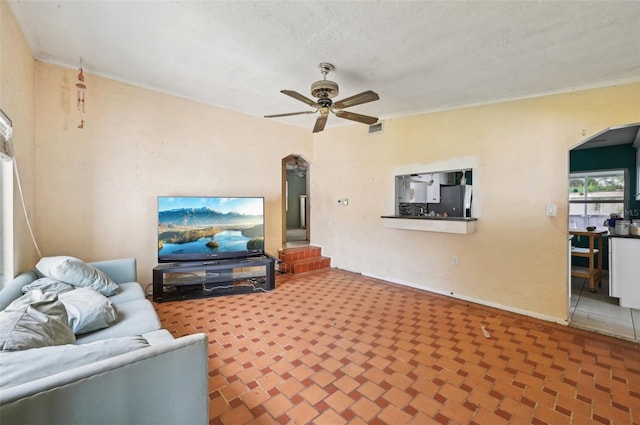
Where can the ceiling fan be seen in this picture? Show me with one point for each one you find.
(325, 90)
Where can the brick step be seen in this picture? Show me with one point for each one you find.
(306, 265)
(302, 259)
(299, 253)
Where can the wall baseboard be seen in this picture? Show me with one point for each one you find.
(510, 309)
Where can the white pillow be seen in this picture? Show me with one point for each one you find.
(47, 265)
(77, 273)
(46, 284)
(26, 366)
(88, 310)
(36, 319)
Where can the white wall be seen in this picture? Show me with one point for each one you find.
(519, 153)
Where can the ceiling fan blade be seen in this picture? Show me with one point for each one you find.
(365, 119)
(364, 97)
(320, 123)
(301, 98)
(289, 114)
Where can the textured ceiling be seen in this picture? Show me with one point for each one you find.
(419, 56)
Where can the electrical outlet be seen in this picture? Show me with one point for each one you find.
(455, 261)
(552, 210)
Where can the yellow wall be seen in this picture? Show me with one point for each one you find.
(97, 186)
(17, 102)
(518, 150)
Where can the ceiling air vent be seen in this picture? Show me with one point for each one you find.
(375, 128)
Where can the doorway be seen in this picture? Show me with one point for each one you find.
(295, 201)
(596, 166)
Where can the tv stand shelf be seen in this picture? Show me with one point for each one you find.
(200, 279)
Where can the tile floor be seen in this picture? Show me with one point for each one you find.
(337, 348)
(295, 244)
(600, 313)
(297, 235)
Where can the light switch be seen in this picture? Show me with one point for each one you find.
(552, 210)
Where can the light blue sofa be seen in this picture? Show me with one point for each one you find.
(165, 382)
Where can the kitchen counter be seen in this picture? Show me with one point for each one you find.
(459, 225)
(429, 217)
(625, 236)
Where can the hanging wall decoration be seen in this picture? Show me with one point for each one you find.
(80, 89)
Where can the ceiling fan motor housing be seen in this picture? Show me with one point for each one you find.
(324, 89)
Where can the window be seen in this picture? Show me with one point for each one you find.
(594, 196)
(6, 202)
(6, 221)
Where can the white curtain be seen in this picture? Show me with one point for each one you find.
(6, 201)
(5, 136)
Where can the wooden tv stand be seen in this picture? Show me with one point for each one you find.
(200, 279)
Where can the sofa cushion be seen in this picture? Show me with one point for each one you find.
(126, 292)
(36, 319)
(88, 310)
(158, 337)
(46, 284)
(120, 270)
(76, 272)
(134, 318)
(28, 365)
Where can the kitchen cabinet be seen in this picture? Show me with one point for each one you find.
(418, 192)
(624, 278)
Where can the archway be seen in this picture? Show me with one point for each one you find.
(295, 201)
(603, 176)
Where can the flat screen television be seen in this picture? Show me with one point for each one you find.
(201, 228)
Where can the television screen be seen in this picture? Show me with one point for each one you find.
(192, 228)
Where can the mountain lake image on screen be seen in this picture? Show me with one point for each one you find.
(195, 228)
